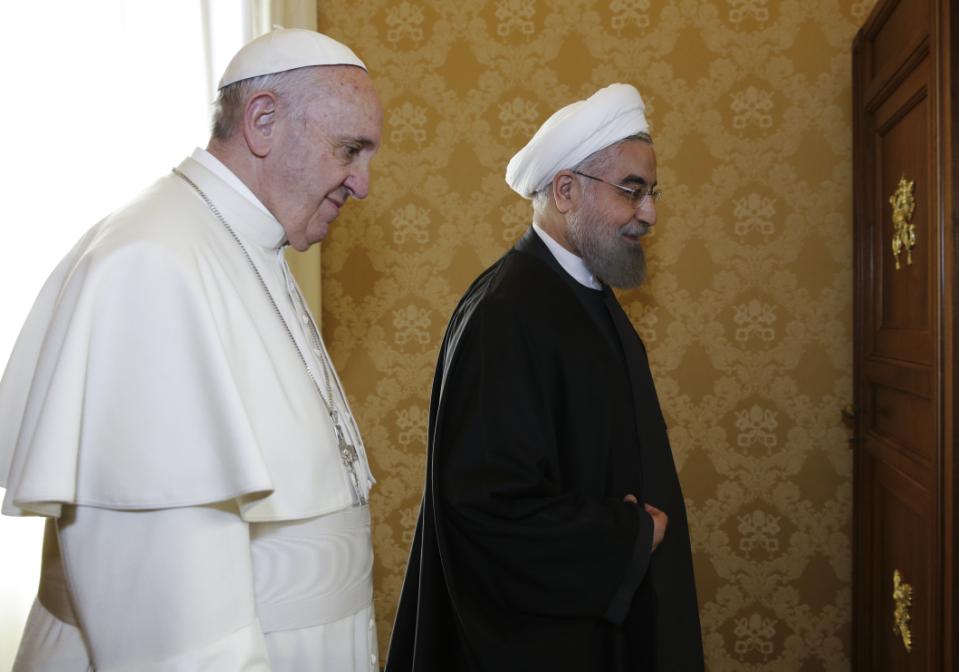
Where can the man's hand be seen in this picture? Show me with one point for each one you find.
(660, 519)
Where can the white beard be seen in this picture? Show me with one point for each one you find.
(606, 255)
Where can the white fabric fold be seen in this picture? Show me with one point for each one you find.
(312, 572)
(153, 371)
(575, 132)
(168, 589)
(199, 589)
(244, 651)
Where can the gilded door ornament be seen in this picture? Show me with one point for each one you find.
(904, 231)
(902, 597)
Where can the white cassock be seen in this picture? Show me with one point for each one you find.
(156, 410)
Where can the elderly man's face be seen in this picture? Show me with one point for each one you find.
(324, 156)
(607, 227)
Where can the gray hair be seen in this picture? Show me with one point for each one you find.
(594, 163)
(294, 87)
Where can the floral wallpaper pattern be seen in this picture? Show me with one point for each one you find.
(747, 311)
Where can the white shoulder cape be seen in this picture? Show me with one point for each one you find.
(153, 372)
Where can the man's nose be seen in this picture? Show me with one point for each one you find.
(646, 211)
(358, 183)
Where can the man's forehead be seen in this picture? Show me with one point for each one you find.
(346, 93)
(358, 120)
(344, 80)
(635, 160)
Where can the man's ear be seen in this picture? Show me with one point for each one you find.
(565, 191)
(259, 122)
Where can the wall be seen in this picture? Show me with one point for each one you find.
(747, 314)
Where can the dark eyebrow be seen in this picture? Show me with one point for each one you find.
(636, 179)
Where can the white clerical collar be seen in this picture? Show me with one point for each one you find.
(569, 261)
(218, 168)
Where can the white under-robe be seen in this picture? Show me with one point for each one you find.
(157, 412)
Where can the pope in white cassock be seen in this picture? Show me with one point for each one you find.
(171, 409)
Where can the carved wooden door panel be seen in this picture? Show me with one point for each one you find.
(898, 572)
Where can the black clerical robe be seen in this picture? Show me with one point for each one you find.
(543, 417)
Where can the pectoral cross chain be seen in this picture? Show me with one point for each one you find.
(347, 450)
(349, 456)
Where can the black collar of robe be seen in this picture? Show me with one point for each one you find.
(543, 416)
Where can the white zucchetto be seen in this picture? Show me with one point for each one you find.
(285, 49)
(574, 133)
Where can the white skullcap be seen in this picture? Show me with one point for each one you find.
(574, 133)
(285, 49)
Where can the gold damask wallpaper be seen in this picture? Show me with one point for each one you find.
(747, 313)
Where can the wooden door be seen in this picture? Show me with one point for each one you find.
(903, 349)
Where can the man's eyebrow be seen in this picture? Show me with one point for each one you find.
(364, 143)
(636, 179)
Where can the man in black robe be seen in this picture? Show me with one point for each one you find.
(553, 533)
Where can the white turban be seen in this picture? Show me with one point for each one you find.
(285, 49)
(574, 133)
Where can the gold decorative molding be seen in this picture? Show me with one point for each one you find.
(904, 231)
(902, 597)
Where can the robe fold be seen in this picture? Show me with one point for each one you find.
(525, 555)
(154, 372)
(155, 387)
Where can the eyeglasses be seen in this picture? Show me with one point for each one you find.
(635, 196)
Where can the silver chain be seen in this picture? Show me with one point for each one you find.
(329, 404)
(346, 450)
